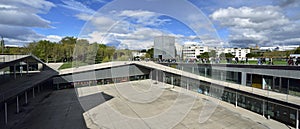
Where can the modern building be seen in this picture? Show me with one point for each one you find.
(237, 52)
(164, 47)
(271, 91)
(191, 51)
(138, 54)
(279, 48)
(22, 77)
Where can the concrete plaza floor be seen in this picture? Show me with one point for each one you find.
(144, 104)
(133, 105)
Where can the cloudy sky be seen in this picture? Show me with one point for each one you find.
(134, 23)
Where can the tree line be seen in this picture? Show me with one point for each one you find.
(68, 49)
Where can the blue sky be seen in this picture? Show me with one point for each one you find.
(134, 23)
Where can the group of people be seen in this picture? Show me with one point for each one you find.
(236, 60)
(293, 61)
(261, 61)
(242, 61)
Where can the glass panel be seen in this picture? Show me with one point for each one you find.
(284, 85)
(294, 87)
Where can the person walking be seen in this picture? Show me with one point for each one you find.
(297, 61)
(271, 61)
(236, 60)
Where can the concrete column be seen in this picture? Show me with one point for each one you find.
(163, 76)
(151, 74)
(187, 84)
(193, 69)
(26, 100)
(5, 112)
(297, 119)
(156, 75)
(235, 99)
(288, 87)
(27, 68)
(221, 76)
(18, 104)
(33, 93)
(263, 108)
(172, 81)
(15, 74)
(205, 72)
(244, 78)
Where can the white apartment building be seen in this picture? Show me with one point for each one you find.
(190, 51)
(237, 52)
(138, 54)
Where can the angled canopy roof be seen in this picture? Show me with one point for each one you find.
(9, 60)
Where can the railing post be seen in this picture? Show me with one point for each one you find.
(26, 101)
(33, 92)
(236, 99)
(297, 119)
(17, 104)
(263, 108)
(172, 80)
(5, 112)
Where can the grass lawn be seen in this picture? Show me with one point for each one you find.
(275, 62)
(70, 65)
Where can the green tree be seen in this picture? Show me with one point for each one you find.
(222, 56)
(229, 55)
(149, 53)
(212, 53)
(297, 51)
(68, 45)
(100, 53)
(204, 55)
(106, 59)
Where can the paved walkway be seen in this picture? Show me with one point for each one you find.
(54, 66)
(143, 104)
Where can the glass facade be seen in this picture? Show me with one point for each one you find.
(277, 84)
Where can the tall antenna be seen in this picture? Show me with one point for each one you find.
(2, 44)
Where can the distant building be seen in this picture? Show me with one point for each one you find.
(190, 51)
(237, 52)
(164, 47)
(279, 48)
(138, 54)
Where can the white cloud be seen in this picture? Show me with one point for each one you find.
(53, 38)
(134, 29)
(17, 18)
(265, 25)
(255, 18)
(32, 6)
(143, 17)
(77, 6)
(18, 33)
